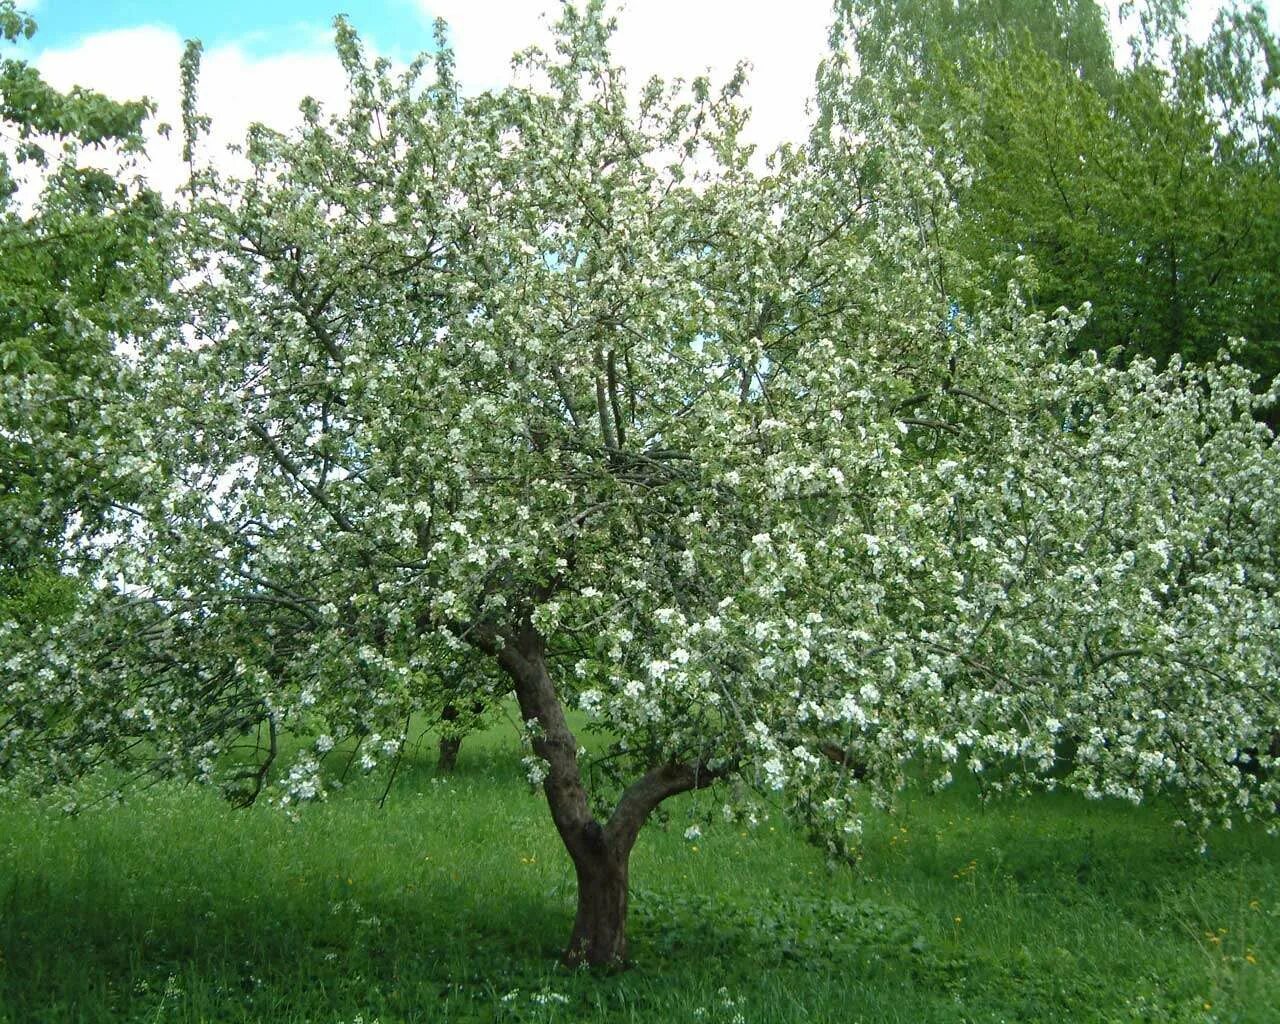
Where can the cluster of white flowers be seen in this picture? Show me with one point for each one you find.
(535, 770)
(303, 782)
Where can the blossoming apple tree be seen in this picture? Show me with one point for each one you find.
(557, 392)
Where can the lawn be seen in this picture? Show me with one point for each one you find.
(452, 901)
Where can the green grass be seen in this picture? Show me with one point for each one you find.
(452, 902)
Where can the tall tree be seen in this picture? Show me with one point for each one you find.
(81, 268)
(1151, 190)
(562, 386)
(900, 44)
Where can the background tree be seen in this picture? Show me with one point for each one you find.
(1151, 189)
(559, 384)
(81, 266)
(456, 721)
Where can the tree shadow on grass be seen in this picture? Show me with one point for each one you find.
(265, 944)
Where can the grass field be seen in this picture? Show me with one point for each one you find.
(452, 902)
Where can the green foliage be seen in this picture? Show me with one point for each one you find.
(37, 596)
(82, 262)
(1152, 190)
(922, 38)
(15, 24)
(193, 123)
(32, 110)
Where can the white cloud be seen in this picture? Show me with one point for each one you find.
(235, 88)
(1200, 18)
(669, 38)
(783, 42)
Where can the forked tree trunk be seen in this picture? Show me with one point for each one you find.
(449, 745)
(599, 853)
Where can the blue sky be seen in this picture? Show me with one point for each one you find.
(400, 28)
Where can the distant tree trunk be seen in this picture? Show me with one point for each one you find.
(600, 854)
(1274, 751)
(1248, 761)
(448, 759)
(451, 741)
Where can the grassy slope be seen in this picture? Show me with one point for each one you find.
(452, 902)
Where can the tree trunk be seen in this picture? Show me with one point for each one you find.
(599, 853)
(448, 760)
(599, 936)
(449, 745)
(1274, 751)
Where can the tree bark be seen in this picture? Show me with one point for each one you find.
(448, 760)
(599, 936)
(600, 854)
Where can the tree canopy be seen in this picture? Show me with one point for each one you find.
(553, 393)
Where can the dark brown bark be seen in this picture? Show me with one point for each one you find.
(451, 744)
(600, 854)
(448, 760)
(599, 936)
(1274, 751)
(837, 754)
(1248, 761)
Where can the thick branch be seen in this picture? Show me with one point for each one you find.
(838, 755)
(1097, 662)
(975, 397)
(295, 472)
(611, 365)
(643, 796)
(562, 386)
(523, 657)
(605, 416)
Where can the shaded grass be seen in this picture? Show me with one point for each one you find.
(452, 902)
